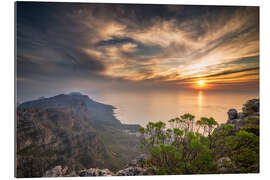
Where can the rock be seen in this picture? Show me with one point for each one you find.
(95, 172)
(234, 118)
(251, 107)
(224, 165)
(132, 171)
(71, 174)
(241, 115)
(223, 160)
(57, 171)
(238, 123)
(138, 160)
(232, 114)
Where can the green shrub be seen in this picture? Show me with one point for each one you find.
(182, 150)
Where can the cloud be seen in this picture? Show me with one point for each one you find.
(113, 44)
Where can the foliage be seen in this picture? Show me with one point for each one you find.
(185, 121)
(178, 150)
(251, 107)
(208, 124)
(190, 147)
(251, 124)
(244, 151)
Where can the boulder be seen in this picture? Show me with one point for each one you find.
(95, 172)
(232, 114)
(57, 171)
(224, 165)
(238, 123)
(132, 171)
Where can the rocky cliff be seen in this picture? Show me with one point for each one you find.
(73, 131)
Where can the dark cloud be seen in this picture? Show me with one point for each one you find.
(50, 43)
(247, 60)
(231, 72)
(69, 65)
(115, 41)
(60, 43)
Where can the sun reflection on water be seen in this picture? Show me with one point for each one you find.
(200, 102)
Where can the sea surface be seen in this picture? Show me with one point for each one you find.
(142, 107)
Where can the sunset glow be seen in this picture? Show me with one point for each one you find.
(201, 83)
(99, 84)
(138, 47)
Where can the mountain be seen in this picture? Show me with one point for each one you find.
(77, 102)
(71, 130)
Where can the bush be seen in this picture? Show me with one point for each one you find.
(179, 150)
(182, 150)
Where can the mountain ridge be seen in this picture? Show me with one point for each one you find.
(78, 102)
(71, 130)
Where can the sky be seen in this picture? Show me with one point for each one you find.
(121, 47)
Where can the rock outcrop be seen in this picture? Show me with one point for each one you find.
(250, 110)
(134, 168)
(247, 120)
(59, 171)
(132, 171)
(95, 172)
(232, 114)
(224, 165)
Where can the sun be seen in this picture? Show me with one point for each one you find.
(201, 83)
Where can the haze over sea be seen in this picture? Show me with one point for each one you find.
(142, 107)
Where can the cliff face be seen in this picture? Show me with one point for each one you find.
(74, 131)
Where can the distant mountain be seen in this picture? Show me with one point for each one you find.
(77, 102)
(71, 130)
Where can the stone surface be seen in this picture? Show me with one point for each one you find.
(238, 123)
(95, 172)
(232, 114)
(224, 164)
(132, 171)
(57, 171)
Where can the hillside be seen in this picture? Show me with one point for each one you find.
(72, 135)
(74, 131)
(232, 147)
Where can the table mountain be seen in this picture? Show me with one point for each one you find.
(71, 130)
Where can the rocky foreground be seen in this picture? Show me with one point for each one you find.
(134, 168)
(240, 120)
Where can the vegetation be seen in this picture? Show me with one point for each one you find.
(50, 137)
(200, 147)
(70, 134)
